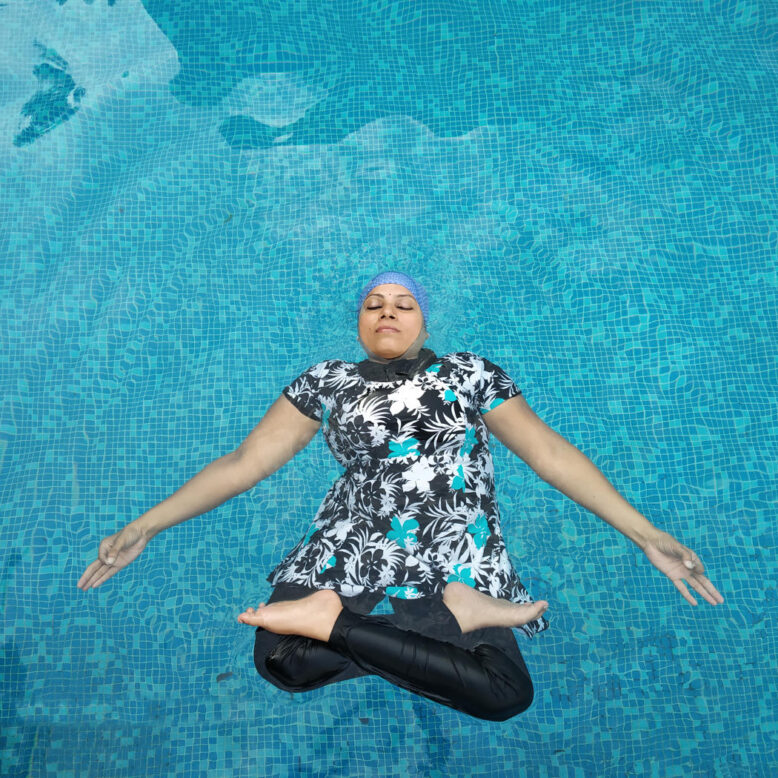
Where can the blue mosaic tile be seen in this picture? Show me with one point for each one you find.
(191, 196)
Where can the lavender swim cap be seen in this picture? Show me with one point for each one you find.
(395, 277)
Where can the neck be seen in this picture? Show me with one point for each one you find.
(397, 369)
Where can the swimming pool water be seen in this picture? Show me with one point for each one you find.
(192, 196)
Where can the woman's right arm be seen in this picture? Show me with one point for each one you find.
(282, 432)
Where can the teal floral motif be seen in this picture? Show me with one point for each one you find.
(462, 574)
(325, 416)
(329, 563)
(450, 396)
(469, 442)
(403, 448)
(479, 529)
(403, 592)
(458, 481)
(434, 368)
(402, 532)
(497, 401)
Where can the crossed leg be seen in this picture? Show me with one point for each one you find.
(322, 642)
(295, 663)
(314, 616)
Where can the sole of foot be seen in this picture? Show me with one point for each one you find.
(475, 610)
(312, 616)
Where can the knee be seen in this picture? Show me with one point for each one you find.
(277, 666)
(286, 666)
(271, 659)
(299, 664)
(504, 706)
(509, 690)
(516, 703)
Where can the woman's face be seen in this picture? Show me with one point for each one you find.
(390, 320)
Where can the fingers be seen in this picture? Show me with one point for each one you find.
(679, 584)
(706, 589)
(114, 547)
(694, 564)
(84, 581)
(702, 586)
(92, 575)
(690, 560)
(698, 581)
(106, 573)
(106, 553)
(95, 574)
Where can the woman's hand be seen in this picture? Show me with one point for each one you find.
(116, 551)
(679, 563)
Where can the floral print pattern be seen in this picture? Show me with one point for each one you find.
(415, 507)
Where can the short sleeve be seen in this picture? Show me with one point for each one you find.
(305, 391)
(492, 386)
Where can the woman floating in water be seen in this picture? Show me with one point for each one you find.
(413, 517)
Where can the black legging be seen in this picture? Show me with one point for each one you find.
(481, 673)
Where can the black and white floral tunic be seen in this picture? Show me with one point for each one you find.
(415, 507)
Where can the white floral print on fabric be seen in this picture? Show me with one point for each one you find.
(415, 507)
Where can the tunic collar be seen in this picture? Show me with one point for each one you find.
(396, 369)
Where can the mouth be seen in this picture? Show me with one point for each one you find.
(387, 329)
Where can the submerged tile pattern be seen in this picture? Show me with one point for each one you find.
(191, 197)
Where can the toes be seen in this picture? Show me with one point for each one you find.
(532, 611)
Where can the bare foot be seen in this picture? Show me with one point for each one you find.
(312, 616)
(475, 610)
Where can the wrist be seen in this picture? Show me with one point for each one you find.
(645, 535)
(146, 525)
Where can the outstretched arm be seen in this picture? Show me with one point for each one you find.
(566, 468)
(282, 432)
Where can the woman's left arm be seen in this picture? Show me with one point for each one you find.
(562, 465)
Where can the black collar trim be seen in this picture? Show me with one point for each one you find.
(397, 369)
